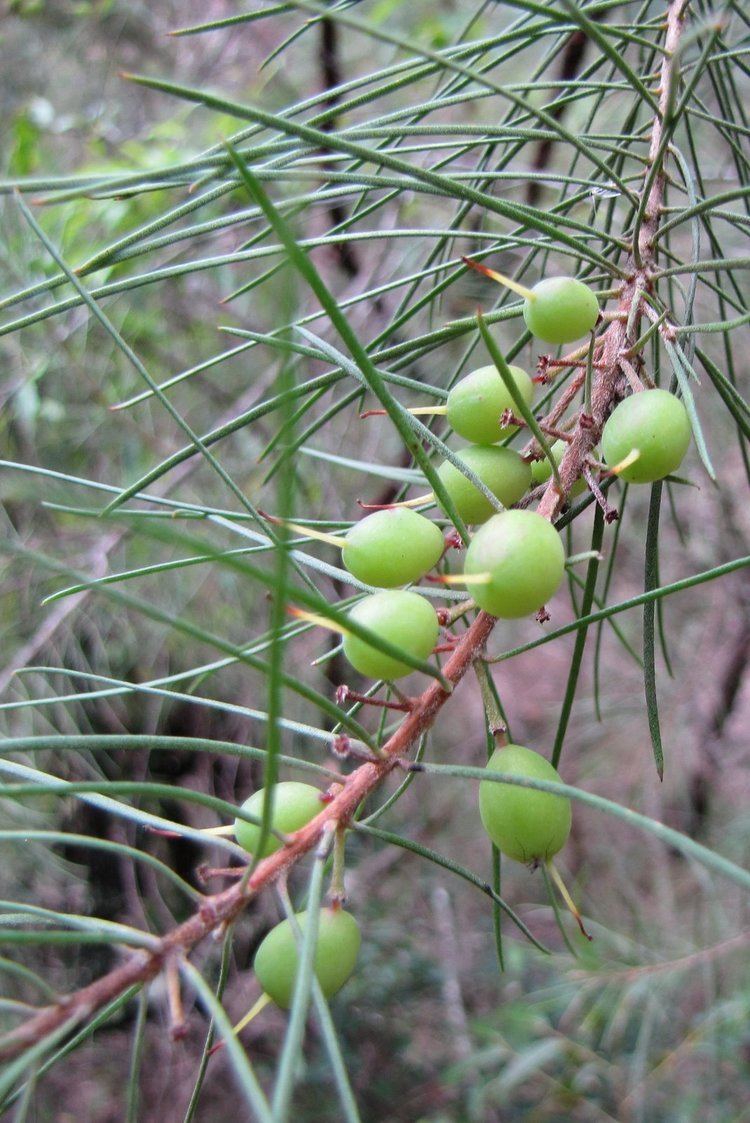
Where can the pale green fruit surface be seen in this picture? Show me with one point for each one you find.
(500, 469)
(478, 401)
(526, 825)
(656, 423)
(277, 958)
(399, 617)
(294, 805)
(563, 309)
(541, 470)
(524, 556)
(391, 548)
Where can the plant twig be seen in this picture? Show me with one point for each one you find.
(221, 909)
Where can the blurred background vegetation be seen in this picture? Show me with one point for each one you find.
(651, 1021)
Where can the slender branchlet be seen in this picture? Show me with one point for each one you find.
(217, 911)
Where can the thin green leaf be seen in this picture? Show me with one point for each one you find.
(247, 1081)
(651, 580)
(286, 1074)
(452, 867)
(687, 846)
(633, 602)
(592, 571)
(523, 408)
(136, 1058)
(369, 373)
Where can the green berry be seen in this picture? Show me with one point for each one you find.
(404, 619)
(478, 401)
(562, 310)
(525, 560)
(541, 470)
(294, 805)
(656, 423)
(277, 958)
(391, 548)
(524, 824)
(500, 469)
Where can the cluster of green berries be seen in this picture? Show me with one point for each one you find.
(396, 547)
(517, 561)
(525, 824)
(276, 960)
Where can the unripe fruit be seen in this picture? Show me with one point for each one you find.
(277, 958)
(500, 469)
(294, 805)
(523, 555)
(541, 470)
(399, 617)
(478, 401)
(561, 310)
(393, 547)
(526, 825)
(655, 423)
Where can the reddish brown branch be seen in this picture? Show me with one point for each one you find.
(225, 906)
(222, 908)
(606, 389)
